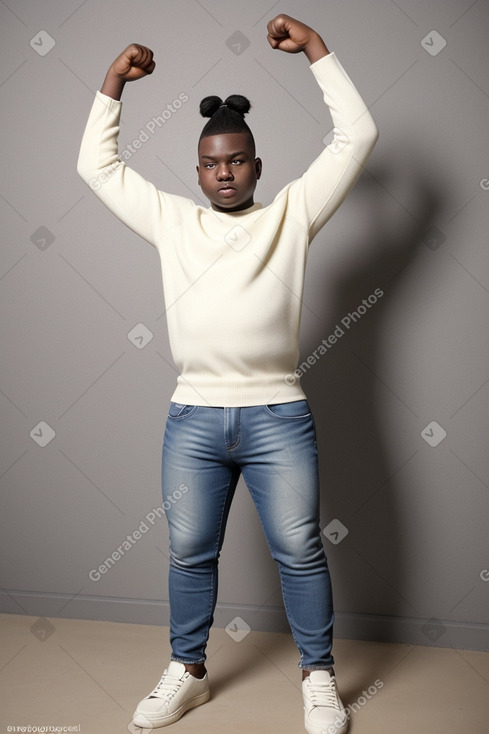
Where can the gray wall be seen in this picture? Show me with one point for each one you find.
(74, 283)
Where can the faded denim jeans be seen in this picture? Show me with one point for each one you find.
(205, 449)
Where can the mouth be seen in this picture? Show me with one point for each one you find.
(226, 191)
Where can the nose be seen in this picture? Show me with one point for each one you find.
(224, 172)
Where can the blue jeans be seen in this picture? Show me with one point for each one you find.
(205, 449)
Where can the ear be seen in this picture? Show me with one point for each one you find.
(197, 168)
(258, 167)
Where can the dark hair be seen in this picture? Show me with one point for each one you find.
(225, 117)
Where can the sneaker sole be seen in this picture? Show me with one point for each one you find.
(326, 728)
(153, 721)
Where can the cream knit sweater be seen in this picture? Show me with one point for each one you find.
(233, 282)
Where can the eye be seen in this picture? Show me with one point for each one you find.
(237, 161)
(209, 165)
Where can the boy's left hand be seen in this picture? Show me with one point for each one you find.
(292, 36)
(289, 35)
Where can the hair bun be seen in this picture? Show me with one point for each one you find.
(209, 105)
(235, 102)
(238, 103)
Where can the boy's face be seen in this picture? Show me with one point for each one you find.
(228, 171)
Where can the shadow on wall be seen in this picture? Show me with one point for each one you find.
(358, 483)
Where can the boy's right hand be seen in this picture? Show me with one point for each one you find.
(133, 63)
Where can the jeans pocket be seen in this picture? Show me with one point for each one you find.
(294, 410)
(179, 411)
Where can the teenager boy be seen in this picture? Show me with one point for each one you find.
(233, 277)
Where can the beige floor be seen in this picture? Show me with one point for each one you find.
(90, 675)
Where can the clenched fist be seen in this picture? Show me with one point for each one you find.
(290, 35)
(133, 63)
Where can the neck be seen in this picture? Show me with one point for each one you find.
(239, 208)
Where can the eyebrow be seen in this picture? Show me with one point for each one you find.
(233, 155)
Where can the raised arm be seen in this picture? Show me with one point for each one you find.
(133, 200)
(314, 197)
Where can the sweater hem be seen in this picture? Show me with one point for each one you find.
(232, 394)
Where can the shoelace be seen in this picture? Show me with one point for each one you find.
(323, 694)
(167, 687)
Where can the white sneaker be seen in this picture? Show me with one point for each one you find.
(176, 693)
(324, 712)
